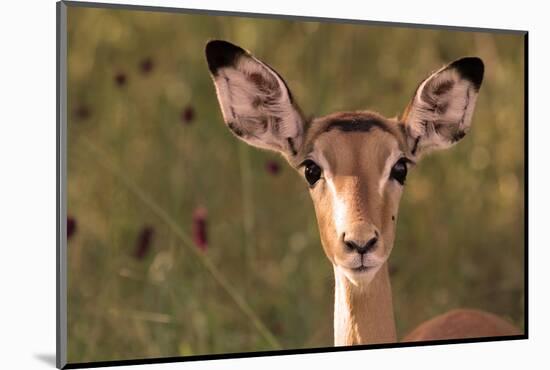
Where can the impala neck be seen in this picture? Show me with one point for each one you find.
(363, 315)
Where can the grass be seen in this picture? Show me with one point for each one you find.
(147, 148)
(187, 242)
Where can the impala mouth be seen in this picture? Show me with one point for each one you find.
(365, 264)
(359, 275)
(362, 268)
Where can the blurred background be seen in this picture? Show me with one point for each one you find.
(184, 241)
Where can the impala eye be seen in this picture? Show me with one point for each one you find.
(312, 172)
(399, 171)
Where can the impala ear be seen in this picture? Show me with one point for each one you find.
(256, 104)
(441, 111)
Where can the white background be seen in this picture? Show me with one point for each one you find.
(27, 186)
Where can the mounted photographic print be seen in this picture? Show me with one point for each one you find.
(236, 185)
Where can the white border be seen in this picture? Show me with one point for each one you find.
(27, 145)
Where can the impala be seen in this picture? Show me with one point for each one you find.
(355, 164)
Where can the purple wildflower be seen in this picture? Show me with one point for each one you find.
(143, 243)
(272, 167)
(187, 115)
(120, 79)
(82, 112)
(200, 226)
(71, 226)
(146, 65)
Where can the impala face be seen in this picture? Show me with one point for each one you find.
(356, 167)
(354, 163)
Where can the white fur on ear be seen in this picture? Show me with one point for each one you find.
(255, 102)
(440, 113)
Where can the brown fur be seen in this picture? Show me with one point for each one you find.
(462, 323)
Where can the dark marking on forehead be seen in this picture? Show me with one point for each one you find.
(349, 122)
(357, 125)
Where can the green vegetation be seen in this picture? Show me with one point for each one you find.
(151, 166)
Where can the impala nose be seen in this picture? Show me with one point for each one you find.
(360, 246)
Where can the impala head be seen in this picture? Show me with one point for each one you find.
(354, 163)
